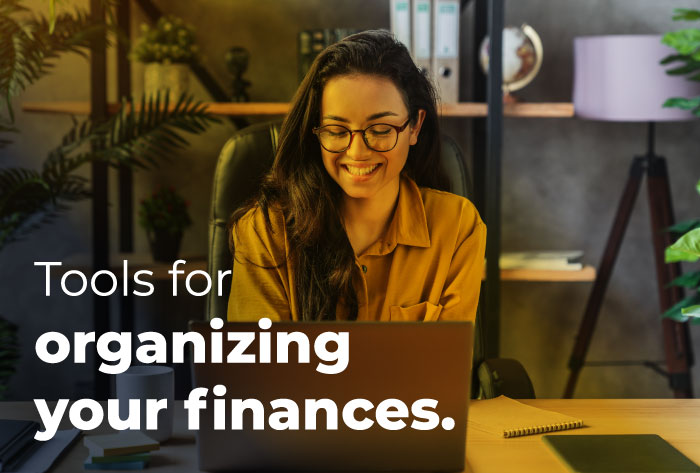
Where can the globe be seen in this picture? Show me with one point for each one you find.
(522, 56)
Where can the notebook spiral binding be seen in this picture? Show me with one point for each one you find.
(541, 429)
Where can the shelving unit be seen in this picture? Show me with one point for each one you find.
(236, 109)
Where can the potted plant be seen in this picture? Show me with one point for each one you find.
(166, 49)
(686, 61)
(164, 216)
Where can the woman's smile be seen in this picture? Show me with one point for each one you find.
(361, 171)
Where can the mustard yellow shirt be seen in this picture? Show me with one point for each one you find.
(428, 266)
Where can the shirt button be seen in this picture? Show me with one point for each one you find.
(364, 268)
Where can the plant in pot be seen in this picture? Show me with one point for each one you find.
(166, 49)
(686, 62)
(164, 216)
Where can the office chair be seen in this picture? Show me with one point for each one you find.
(246, 156)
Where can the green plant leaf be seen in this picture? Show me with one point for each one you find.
(29, 44)
(697, 187)
(673, 58)
(689, 280)
(691, 311)
(684, 226)
(685, 41)
(688, 68)
(52, 16)
(686, 248)
(686, 14)
(683, 103)
(676, 311)
(139, 137)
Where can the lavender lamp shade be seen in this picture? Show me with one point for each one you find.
(619, 78)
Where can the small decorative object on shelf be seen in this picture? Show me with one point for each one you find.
(237, 62)
(164, 216)
(166, 49)
(522, 58)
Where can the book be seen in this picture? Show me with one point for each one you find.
(507, 417)
(15, 437)
(619, 454)
(400, 20)
(125, 465)
(542, 260)
(123, 443)
(422, 34)
(445, 57)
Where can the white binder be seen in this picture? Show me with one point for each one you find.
(401, 21)
(446, 49)
(422, 34)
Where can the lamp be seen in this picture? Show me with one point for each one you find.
(619, 78)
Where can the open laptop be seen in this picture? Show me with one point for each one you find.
(407, 362)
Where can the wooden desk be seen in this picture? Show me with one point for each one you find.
(676, 420)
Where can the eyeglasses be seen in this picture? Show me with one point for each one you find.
(380, 137)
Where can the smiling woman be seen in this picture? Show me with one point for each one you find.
(349, 222)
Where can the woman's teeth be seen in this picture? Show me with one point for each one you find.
(360, 171)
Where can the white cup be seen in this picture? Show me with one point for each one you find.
(148, 382)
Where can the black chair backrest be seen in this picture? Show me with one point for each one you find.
(245, 157)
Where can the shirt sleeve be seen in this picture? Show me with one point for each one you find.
(259, 284)
(460, 295)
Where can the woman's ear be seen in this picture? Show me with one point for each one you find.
(415, 128)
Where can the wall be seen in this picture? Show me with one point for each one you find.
(561, 182)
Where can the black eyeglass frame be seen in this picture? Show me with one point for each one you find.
(398, 129)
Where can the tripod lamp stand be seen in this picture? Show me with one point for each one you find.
(618, 78)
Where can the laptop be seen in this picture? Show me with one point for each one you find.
(365, 394)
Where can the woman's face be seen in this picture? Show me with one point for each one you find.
(357, 101)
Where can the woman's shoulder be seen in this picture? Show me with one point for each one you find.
(261, 231)
(441, 206)
(258, 217)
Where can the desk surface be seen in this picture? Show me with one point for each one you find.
(676, 420)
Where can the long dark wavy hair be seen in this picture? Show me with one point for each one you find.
(298, 184)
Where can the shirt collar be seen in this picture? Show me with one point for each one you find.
(409, 225)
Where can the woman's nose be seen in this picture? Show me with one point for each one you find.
(358, 150)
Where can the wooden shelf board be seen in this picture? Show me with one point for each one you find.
(586, 274)
(463, 109)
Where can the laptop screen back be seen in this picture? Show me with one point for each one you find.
(400, 402)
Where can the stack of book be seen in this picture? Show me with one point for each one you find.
(16, 442)
(128, 450)
(542, 260)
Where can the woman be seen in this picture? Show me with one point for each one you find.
(348, 224)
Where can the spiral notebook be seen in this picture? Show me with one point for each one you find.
(507, 417)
